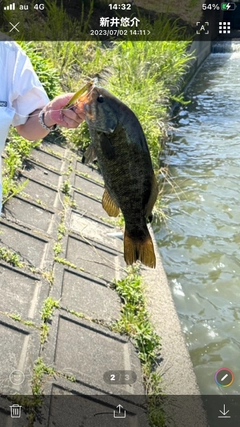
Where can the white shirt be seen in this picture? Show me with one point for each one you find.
(20, 92)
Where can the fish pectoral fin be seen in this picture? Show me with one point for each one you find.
(107, 148)
(139, 249)
(89, 154)
(152, 198)
(109, 205)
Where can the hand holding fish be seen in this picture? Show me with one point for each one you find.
(56, 113)
(41, 121)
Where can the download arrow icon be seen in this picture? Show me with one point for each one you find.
(224, 413)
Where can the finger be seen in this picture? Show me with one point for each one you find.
(68, 123)
(73, 115)
(71, 120)
(56, 111)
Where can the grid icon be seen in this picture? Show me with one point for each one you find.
(224, 28)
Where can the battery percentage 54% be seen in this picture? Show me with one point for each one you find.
(211, 6)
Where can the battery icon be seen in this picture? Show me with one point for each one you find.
(228, 6)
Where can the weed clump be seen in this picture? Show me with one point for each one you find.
(136, 323)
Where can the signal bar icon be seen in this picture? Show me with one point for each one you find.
(11, 6)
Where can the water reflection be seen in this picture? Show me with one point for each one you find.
(199, 244)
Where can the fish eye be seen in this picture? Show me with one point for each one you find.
(100, 98)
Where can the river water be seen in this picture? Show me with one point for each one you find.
(200, 241)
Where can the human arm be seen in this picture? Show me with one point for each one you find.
(53, 114)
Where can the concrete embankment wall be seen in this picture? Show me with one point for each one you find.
(200, 50)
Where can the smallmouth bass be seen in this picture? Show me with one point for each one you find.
(120, 146)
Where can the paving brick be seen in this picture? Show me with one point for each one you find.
(75, 346)
(89, 205)
(21, 293)
(92, 257)
(89, 227)
(30, 248)
(71, 410)
(19, 350)
(89, 170)
(41, 173)
(53, 146)
(4, 417)
(46, 158)
(41, 192)
(26, 212)
(91, 350)
(88, 186)
(85, 294)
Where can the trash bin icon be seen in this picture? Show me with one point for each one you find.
(15, 411)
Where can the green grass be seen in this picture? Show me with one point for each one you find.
(10, 257)
(147, 76)
(135, 319)
(46, 316)
(136, 323)
(61, 228)
(40, 369)
(44, 67)
(17, 149)
(48, 308)
(65, 262)
(57, 249)
(66, 187)
(18, 318)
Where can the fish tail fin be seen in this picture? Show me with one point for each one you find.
(140, 248)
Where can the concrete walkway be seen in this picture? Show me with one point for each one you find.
(67, 257)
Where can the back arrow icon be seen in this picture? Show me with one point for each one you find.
(224, 412)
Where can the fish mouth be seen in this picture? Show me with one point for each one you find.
(81, 96)
(86, 101)
(86, 95)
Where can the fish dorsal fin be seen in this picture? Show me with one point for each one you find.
(89, 154)
(152, 198)
(109, 205)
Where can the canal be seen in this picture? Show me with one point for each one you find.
(200, 240)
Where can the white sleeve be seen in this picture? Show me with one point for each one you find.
(28, 94)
